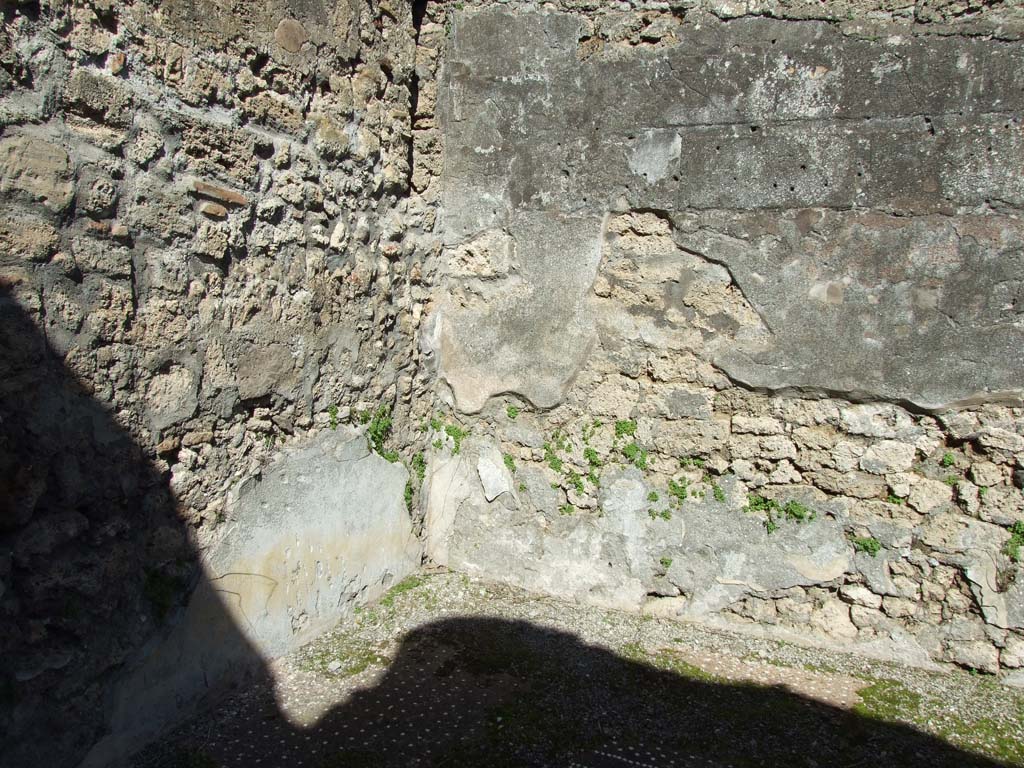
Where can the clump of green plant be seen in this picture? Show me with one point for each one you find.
(566, 509)
(951, 480)
(590, 429)
(575, 481)
(408, 495)
(553, 459)
(794, 510)
(332, 415)
(718, 493)
(625, 428)
(652, 496)
(636, 455)
(770, 507)
(664, 514)
(419, 465)
(457, 434)
(510, 463)
(892, 498)
(982, 491)
(512, 412)
(868, 545)
(380, 427)
(436, 424)
(591, 456)
(677, 489)
(162, 590)
(666, 562)
(691, 462)
(1013, 547)
(391, 456)
(947, 460)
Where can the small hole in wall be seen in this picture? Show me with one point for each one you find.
(753, 129)
(792, 188)
(774, 42)
(803, 167)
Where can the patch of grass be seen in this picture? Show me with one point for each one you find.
(718, 493)
(591, 456)
(625, 428)
(512, 412)
(887, 700)
(947, 460)
(438, 444)
(652, 496)
(951, 480)
(664, 514)
(636, 455)
(867, 544)
(349, 655)
(391, 456)
(332, 415)
(894, 499)
(566, 509)
(1013, 547)
(665, 562)
(691, 462)
(575, 481)
(407, 584)
(510, 463)
(457, 434)
(436, 424)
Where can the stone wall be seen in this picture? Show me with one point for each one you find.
(209, 259)
(732, 315)
(711, 309)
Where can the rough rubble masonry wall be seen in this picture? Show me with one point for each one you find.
(734, 315)
(725, 324)
(209, 258)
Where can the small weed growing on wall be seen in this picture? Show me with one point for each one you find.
(894, 499)
(566, 509)
(332, 415)
(868, 544)
(652, 496)
(591, 456)
(553, 459)
(718, 493)
(438, 444)
(510, 463)
(380, 426)
(162, 591)
(794, 510)
(691, 462)
(575, 481)
(1013, 547)
(664, 514)
(677, 490)
(457, 434)
(636, 455)
(408, 495)
(512, 412)
(947, 460)
(951, 480)
(665, 562)
(436, 424)
(590, 429)
(625, 428)
(419, 465)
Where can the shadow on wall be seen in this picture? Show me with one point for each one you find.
(492, 692)
(95, 565)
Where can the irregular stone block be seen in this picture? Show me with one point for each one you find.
(323, 530)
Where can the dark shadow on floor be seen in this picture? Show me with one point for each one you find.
(95, 560)
(491, 692)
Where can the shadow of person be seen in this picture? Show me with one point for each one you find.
(95, 564)
(475, 691)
